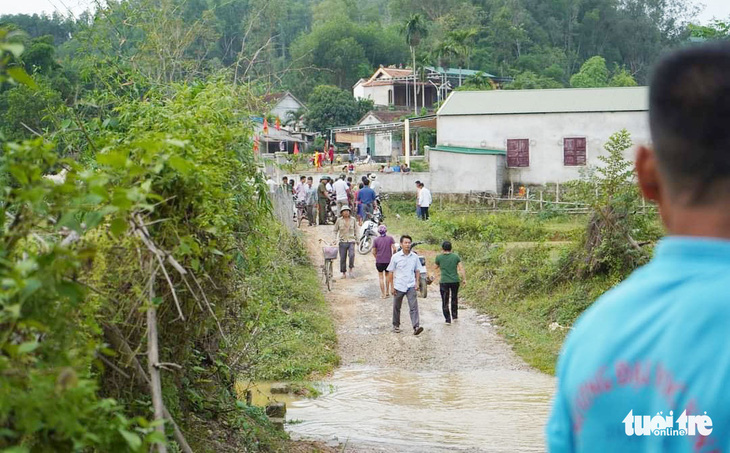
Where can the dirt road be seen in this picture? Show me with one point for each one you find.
(455, 386)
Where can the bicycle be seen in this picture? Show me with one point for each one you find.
(301, 213)
(330, 255)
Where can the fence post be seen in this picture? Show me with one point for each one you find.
(557, 192)
(541, 200)
(527, 200)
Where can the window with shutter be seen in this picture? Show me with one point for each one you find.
(518, 152)
(574, 151)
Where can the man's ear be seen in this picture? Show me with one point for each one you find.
(647, 172)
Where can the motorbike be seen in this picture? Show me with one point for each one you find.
(424, 279)
(369, 230)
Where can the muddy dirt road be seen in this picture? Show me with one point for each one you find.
(454, 387)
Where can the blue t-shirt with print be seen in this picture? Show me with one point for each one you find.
(656, 343)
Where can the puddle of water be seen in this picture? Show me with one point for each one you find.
(421, 411)
(261, 394)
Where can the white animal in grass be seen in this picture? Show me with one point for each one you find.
(58, 178)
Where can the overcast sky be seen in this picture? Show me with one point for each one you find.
(714, 8)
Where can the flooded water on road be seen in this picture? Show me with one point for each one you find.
(454, 387)
(428, 411)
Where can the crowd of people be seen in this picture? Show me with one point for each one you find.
(398, 268)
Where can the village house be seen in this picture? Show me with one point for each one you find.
(488, 139)
(381, 144)
(289, 130)
(393, 87)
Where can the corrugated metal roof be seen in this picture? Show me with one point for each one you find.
(565, 100)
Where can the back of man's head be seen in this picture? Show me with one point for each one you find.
(689, 114)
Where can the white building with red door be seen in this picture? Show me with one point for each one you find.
(486, 139)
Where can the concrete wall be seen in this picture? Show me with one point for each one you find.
(378, 94)
(546, 133)
(463, 173)
(403, 182)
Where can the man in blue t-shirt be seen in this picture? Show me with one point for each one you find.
(646, 368)
(366, 197)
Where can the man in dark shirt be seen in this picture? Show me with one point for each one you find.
(366, 196)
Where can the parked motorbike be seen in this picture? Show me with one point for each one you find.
(369, 231)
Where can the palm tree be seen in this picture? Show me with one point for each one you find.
(414, 30)
(461, 42)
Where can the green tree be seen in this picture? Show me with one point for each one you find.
(612, 194)
(716, 29)
(528, 80)
(330, 107)
(622, 78)
(477, 82)
(28, 111)
(462, 42)
(592, 74)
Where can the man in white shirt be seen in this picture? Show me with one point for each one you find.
(301, 190)
(340, 187)
(374, 183)
(424, 200)
(404, 275)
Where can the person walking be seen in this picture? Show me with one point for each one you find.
(366, 196)
(418, 196)
(383, 251)
(346, 231)
(317, 160)
(449, 263)
(404, 274)
(340, 188)
(645, 368)
(424, 200)
(322, 200)
(331, 156)
(301, 190)
(311, 200)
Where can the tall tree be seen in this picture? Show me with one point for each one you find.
(462, 43)
(593, 73)
(414, 30)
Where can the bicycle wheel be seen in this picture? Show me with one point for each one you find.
(328, 273)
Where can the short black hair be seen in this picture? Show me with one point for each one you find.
(285, 178)
(366, 182)
(309, 178)
(405, 236)
(689, 114)
(302, 177)
(446, 246)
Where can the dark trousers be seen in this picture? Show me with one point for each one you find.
(424, 213)
(412, 307)
(453, 290)
(322, 205)
(346, 247)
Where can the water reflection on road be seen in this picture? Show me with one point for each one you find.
(475, 410)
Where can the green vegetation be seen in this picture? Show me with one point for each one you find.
(156, 228)
(535, 274)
